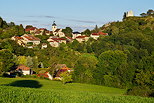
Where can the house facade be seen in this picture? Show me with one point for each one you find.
(24, 70)
(75, 34)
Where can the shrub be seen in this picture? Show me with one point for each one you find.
(140, 91)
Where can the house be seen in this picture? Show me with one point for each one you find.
(81, 39)
(62, 70)
(45, 75)
(75, 34)
(94, 36)
(55, 41)
(48, 32)
(24, 70)
(18, 39)
(27, 38)
(58, 32)
(44, 45)
(38, 32)
(31, 30)
(97, 35)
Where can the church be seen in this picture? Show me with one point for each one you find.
(56, 31)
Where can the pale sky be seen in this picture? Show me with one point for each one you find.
(77, 14)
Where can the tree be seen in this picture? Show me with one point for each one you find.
(113, 65)
(68, 31)
(84, 69)
(21, 60)
(6, 60)
(87, 32)
(28, 26)
(149, 11)
(21, 30)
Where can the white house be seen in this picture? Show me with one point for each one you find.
(31, 30)
(97, 35)
(54, 43)
(24, 70)
(75, 34)
(81, 39)
(44, 45)
(27, 38)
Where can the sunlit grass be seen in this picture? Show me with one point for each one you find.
(56, 92)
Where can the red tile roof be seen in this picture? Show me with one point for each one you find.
(68, 37)
(18, 38)
(96, 34)
(62, 70)
(58, 39)
(81, 36)
(29, 29)
(99, 33)
(43, 75)
(32, 38)
(22, 67)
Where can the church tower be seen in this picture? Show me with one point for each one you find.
(54, 26)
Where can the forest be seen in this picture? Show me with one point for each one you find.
(124, 59)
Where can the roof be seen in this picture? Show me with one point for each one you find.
(76, 32)
(96, 34)
(18, 38)
(22, 67)
(32, 38)
(37, 32)
(81, 36)
(54, 24)
(62, 70)
(57, 30)
(43, 75)
(29, 29)
(99, 33)
(42, 28)
(58, 39)
(68, 37)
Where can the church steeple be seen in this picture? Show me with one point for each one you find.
(54, 26)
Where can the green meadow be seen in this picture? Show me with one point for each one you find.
(26, 90)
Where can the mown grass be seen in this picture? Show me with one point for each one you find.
(11, 91)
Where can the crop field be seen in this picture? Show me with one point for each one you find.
(26, 90)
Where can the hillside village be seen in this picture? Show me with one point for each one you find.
(56, 37)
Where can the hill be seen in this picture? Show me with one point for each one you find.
(18, 90)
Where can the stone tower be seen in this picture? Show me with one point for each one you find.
(129, 13)
(54, 26)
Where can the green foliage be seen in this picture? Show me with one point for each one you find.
(68, 31)
(6, 60)
(66, 77)
(84, 69)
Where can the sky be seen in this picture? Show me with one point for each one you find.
(77, 14)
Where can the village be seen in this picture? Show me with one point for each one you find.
(56, 37)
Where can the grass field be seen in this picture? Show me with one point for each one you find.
(25, 90)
